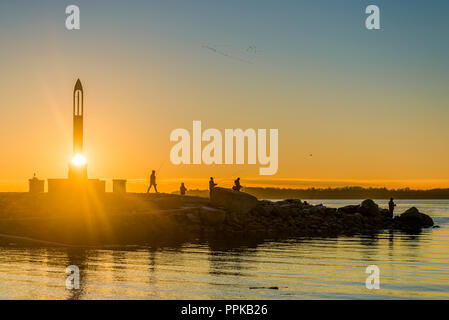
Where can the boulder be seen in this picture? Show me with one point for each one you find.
(261, 210)
(319, 209)
(352, 220)
(369, 208)
(349, 209)
(212, 216)
(352, 223)
(386, 213)
(412, 219)
(236, 201)
(331, 211)
(193, 216)
(297, 201)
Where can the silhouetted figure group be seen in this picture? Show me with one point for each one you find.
(237, 187)
(182, 189)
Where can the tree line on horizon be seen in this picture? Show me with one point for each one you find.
(351, 192)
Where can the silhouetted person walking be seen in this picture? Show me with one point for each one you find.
(237, 186)
(182, 189)
(152, 181)
(391, 206)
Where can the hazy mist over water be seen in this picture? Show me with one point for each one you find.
(411, 266)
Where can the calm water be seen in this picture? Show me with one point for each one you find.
(410, 267)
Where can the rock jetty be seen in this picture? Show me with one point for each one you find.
(131, 219)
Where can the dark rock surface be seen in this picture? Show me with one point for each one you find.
(212, 216)
(297, 218)
(413, 220)
(369, 208)
(232, 200)
(139, 218)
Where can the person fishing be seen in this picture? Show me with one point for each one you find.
(152, 181)
(212, 184)
(391, 206)
(182, 189)
(237, 186)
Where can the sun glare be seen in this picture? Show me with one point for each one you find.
(79, 160)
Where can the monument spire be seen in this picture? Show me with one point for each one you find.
(78, 165)
(78, 113)
(77, 182)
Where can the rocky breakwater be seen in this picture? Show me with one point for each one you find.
(132, 219)
(237, 213)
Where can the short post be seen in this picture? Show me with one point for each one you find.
(119, 186)
(36, 185)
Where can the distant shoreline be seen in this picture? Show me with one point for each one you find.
(344, 193)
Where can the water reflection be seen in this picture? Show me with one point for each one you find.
(411, 266)
(230, 262)
(77, 257)
(152, 263)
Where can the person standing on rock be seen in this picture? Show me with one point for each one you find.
(391, 206)
(182, 189)
(212, 184)
(152, 181)
(237, 186)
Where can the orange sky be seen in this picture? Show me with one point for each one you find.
(127, 130)
(367, 115)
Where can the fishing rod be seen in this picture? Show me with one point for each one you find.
(235, 174)
(157, 171)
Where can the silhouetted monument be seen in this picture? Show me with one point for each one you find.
(77, 180)
(78, 166)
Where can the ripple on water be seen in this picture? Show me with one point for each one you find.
(411, 266)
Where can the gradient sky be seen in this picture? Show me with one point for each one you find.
(372, 107)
